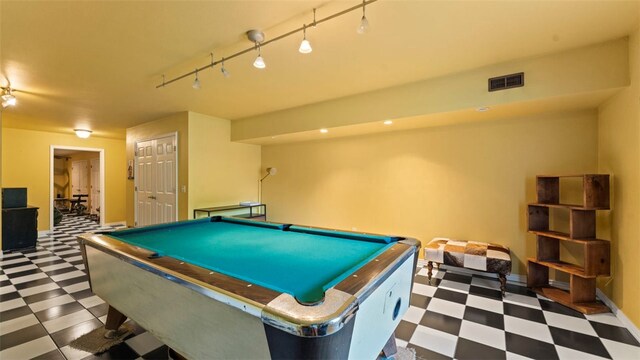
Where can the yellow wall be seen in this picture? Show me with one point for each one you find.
(220, 172)
(469, 181)
(619, 155)
(150, 130)
(26, 157)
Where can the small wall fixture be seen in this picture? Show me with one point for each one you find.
(82, 133)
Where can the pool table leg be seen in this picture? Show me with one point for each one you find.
(390, 349)
(114, 319)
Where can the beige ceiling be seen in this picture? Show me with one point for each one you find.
(96, 64)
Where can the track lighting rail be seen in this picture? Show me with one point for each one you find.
(264, 43)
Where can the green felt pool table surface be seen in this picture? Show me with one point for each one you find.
(300, 261)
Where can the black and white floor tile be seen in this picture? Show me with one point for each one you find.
(45, 303)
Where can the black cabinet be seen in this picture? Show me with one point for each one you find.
(19, 227)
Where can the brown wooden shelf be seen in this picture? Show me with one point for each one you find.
(569, 176)
(569, 206)
(565, 236)
(564, 297)
(582, 231)
(563, 266)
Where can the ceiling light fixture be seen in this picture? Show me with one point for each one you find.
(388, 122)
(364, 25)
(224, 71)
(196, 82)
(257, 37)
(259, 62)
(305, 46)
(8, 99)
(324, 131)
(483, 109)
(82, 133)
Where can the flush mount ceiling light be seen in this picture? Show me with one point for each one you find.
(258, 39)
(388, 122)
(82, 133)
(8, 99)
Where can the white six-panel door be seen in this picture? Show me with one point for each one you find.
(79, 181)
(156, 181)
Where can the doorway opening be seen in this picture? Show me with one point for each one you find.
(77, 184)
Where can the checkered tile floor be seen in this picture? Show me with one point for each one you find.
(45, 303)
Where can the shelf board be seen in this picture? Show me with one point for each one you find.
(563, 297)
(566, 176)
(569, 206)
(565, 236)
(563, 266)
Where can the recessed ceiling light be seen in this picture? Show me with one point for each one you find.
(388, 122)
(483, 109)
(324, 131)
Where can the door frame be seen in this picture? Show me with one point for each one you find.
(135, 167)
(102, 187)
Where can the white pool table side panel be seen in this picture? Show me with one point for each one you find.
(375, 312)
(184, 319)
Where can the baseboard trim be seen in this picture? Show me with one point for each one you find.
(44, 233)
(522, 279)
(633, 329)
(116, 223)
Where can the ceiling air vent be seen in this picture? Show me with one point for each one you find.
(506, 82)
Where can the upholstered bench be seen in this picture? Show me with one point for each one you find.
(474, 255)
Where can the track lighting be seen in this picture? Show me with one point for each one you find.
(305, 46)
(258, 40)
(196, 82)
(364, 23)
(8, 99)
(224, 71)
(259, 62)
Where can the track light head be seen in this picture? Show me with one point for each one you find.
(223, 70)
(8, 99)
(259, 62)
(305, 46)
(196, 82)
(364, 23)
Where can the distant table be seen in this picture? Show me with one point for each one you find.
(255, 212)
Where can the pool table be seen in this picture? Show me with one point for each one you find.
(231, 288)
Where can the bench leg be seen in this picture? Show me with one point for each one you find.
(429, 270)
(503, 282)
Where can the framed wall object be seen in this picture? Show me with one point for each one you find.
(130, 170)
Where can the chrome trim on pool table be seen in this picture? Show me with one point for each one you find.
(214, 292)
(287, 314)
(373, 283)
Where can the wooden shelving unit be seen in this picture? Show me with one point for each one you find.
(582, 231)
